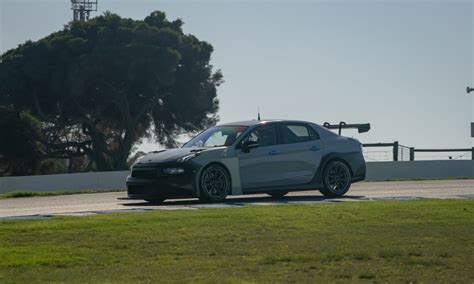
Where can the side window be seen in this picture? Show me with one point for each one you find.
(296, 133)
(264, 135)
(313, 134)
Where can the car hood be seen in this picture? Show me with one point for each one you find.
(171, 155)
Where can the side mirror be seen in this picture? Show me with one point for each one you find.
(247, 145)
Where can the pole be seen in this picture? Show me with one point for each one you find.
(468, 90)
(395, 151)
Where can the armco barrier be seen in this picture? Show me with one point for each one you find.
(65, 182)
(420, 170)
(116, 180)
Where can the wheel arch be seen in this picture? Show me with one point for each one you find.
(318, 178)
(326, 189)
(342, 160)
(199, 174)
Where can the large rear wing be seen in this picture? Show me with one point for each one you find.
(361, 127)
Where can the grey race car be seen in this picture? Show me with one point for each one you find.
(268, 156)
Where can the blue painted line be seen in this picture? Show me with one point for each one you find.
(121, 210)
(36, 216)
(393, 198)
(218, 205)
(467, 196)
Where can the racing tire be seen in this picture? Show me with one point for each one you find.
(336, 179)
(214, 184)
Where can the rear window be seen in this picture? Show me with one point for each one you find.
(296, 133)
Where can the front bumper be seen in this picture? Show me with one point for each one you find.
(168, 186)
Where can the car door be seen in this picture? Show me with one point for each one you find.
(260, 166)
(301, 153)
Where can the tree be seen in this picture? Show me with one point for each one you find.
(21, 143)
(101, 86)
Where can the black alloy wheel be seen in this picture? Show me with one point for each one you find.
(214, 184)
(336, 179)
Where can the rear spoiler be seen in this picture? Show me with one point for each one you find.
(361, 127)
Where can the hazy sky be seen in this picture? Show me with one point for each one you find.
(403, 66)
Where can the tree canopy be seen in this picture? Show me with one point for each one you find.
(101, 86)
(21, 147)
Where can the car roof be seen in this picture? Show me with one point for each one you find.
(262, 121)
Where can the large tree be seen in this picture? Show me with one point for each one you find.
(101, 86)
(21, 143)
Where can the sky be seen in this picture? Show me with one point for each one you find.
(402, 66)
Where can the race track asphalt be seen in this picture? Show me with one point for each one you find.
(87, 204)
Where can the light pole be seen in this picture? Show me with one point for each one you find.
(82, 9)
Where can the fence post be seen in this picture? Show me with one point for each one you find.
(395, 151)
(412, 153)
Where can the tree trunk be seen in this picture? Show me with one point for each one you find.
(125, 145)
(124, 149)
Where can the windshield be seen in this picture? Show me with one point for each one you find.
(216, 136)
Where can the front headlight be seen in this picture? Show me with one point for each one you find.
(187, 157)
(137, 161)
(173, 171)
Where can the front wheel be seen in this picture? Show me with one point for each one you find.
(214, 184)
(336, 179)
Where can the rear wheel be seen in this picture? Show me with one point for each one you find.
(336, 179)
(277, 194)
(155, 200)
(214, 184)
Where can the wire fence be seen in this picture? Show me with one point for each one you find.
(397, 152)
(380, 154)
(444, 156)
(403, 153)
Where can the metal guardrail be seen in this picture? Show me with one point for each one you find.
(403, 153)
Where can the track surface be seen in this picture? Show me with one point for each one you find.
(85, 204)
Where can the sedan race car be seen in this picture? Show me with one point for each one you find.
(248, 157)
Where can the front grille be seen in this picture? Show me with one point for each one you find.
(145, 173)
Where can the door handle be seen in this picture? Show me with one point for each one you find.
(274, 152)
(315, 148)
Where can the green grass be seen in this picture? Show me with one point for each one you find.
(20, 194)
(375, 241)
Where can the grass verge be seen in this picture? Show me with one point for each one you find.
(396, 241)
(20, 194)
